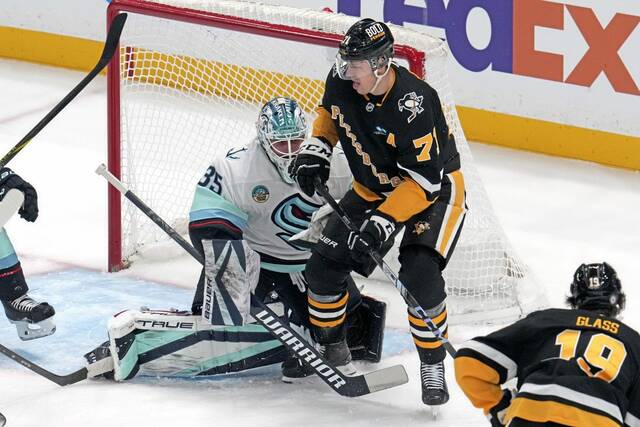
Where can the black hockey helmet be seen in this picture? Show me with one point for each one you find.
(596, 287)
(369, 40)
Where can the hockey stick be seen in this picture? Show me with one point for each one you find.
(62, 380)
(391, 275)
(350, 386)
(110, 46)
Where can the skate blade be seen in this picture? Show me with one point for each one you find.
(435, 411)
(300, 380)
(31, 331)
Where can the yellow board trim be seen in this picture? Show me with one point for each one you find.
(551, 138)
(505, 130)
(49, 49)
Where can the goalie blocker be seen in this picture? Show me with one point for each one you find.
(224, 338)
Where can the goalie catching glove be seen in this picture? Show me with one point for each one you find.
(374, 232)
(10, 180)
(314, 159)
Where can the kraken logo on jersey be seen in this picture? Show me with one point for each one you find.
(293, 215)
(413, 103)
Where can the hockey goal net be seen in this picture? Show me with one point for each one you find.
(187, 85)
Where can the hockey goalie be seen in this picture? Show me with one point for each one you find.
(233, 215)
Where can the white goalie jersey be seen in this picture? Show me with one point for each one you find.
(245, 189)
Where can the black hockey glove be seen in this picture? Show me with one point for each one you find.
(313, 160)
(10, 180)
(374, 232)
(498, 412)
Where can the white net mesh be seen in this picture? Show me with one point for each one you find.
(189, 92)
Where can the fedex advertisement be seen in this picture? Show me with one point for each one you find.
(556, 76)
(569, 62)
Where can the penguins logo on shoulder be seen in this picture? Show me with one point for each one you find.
(413, 103)
(260, 193)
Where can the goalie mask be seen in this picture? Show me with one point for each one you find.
(596, 287)
(367, 41)
(282, 128)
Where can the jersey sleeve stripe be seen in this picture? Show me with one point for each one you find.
(216, 222)
(631, 420)
(204, 214)
(324, 128)
(491, 353)
(550, 390)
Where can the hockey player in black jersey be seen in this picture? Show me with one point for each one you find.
(32, 319)
(406, 171)
(574, 367)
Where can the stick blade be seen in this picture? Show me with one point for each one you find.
(113, 38)
(383, 379)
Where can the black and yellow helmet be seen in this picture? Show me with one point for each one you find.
(368, 40)
(596, 287)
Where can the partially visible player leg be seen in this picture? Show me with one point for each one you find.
(420, 273)
(364, 321)
(32, 319)
(327, 299)
(429, 241)
(280, 287)
(328, 273)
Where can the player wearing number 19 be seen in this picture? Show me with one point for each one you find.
(575, 367)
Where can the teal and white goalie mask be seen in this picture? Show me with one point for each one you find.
(282, 128)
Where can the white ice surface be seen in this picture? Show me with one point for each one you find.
(557, 213)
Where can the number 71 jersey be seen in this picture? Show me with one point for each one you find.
(574, 367)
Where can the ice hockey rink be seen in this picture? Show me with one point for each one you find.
(556, 212)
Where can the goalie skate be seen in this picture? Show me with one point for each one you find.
(32, 319)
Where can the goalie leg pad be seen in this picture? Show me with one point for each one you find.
(365, 330)
(232, 270)
(171, 343)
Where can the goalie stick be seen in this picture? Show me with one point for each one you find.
(350, 386)
(391, 275)
(110, 46)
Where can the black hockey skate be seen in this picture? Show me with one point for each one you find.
(434, 385)
(294, 370)
(337, 354)
(32, 319)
